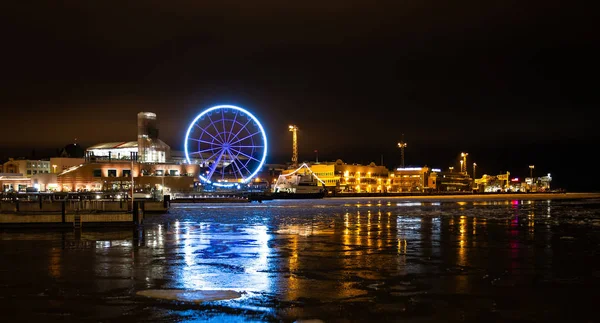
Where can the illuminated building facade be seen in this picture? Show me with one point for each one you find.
(409, 179)
(44, 182)
(537, 184)
(362, 178)
(326, 172)
(117, 176)
(26, 167)
(150, 148)
(147, 149)
(493, 183)
(60, 164)
(111, 151)
(14, 182)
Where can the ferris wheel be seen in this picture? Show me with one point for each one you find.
(228, 143)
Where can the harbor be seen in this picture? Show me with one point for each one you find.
(99, 214)
(76, 214)
(323, 260)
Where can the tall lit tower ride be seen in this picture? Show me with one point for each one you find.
(402, 144)
(294, 130)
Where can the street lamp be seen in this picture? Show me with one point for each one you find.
(451, 168)
(461, 166)
(54, 169)
(464, 162)
(473, 187)
(402, 144)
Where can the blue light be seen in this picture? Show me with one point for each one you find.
(242, 111)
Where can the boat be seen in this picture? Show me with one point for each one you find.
(302, 183)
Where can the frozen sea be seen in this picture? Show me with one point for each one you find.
(327, 260)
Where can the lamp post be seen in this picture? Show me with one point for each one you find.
(473, 187)
(451, 168)
(464, 162)
(461, 166)
(402, 144)
(54, 169)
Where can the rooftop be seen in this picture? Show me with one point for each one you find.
(114, 145)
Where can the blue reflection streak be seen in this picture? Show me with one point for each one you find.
(219, 257)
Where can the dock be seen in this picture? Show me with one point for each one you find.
(76, 214)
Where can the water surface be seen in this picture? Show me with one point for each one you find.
(334, 260)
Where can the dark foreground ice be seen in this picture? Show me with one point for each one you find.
(329, 260)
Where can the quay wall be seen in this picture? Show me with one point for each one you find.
(69, 207)
(76, 214)
(72, 220)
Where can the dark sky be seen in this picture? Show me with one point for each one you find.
(511, 82)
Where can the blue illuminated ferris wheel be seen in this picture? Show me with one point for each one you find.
(228, 143)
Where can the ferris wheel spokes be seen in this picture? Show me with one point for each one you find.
(208, 133)
(233, 123)
(229, 142)
(235, 161)
(245, 155)
(203, 141)
(219, 133)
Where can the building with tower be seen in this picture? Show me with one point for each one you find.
(147, 149)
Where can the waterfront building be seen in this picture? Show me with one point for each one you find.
(109, 151)
(14, 182)
(493, 183)
(44, 183)
(450, 181)
(537, 184)
(150, 148)
(116, 175)
(146, 149)
(27, 167)
(60, 164)
(410, 179)
(358, 178)
(327, 173)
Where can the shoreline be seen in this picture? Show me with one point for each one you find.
(475, 196)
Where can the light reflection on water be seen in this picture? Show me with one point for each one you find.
(328, 250)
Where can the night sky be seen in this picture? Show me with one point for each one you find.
(512, 83)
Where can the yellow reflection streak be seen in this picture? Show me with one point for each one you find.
(54, 265)
(462, 229)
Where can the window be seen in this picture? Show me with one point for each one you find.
(173, 172)
(112, 173)
(97, 173)
(127, 173)
(29, 172)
